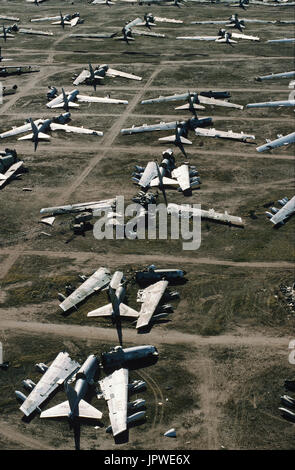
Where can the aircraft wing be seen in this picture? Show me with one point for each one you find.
(56, 101)
(162, 126)
(285, 140)
(74, 21)
(117, 73)
(115, 391)
(186, 211)
(47, 18)
(8, 35)
(215, 102)
(93, 35)
(210, 22)
(82, 77)
(133, 23)
(245, 36)
(287, 210)
(80, 207)
(96, 99)
(199, 131)
(182, 175)
(19, 130)
(150, 297)
(94, 283)
(271, 104)
(199, 38)
(10, 172)
(148, 175)
(163, 99)
(281, 40)
(35, 31)
(147, 33)
(166, 20)
(61, 369)
(76, 130)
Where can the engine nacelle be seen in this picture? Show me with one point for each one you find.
(136, 386)
(138, 168)
(268, 214)
(274, 210)
(135, 179)
(41, 367)
(283, 201)
(136, 404)
(28, 384)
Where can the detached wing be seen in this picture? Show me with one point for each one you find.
(151, 297)
(82, 77)
(213, 101)
(199, 131)
(245, 36)
(10, 172)
(148, 175)
(76, 130)
(285, 140)
(118, 73)
(97, 281)
(61, 368)
(199, 38)
(162, 126)
(96, 99)
(115, 391)
(182, 175)
(287, 210)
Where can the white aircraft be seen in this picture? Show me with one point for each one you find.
(41, 126)
(276, 75)
(184, 176)
(196, 100)
(187, 211)
(281, 140)
(60, 370)
(67, 100)
(240, 136)
(9, 165)
(94, 76)
(99, 279)
(281, 40)
(278, 216)
(103, 2)
(272, 104)
(68, 19)
(222, 37)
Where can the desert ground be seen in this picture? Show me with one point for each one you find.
(223, 354)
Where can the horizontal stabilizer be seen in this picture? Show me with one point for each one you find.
(187, 106)
(61, 105)
(63, 409)
(30, 136)
(172, 138)
(104, 311)
(166, 181)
